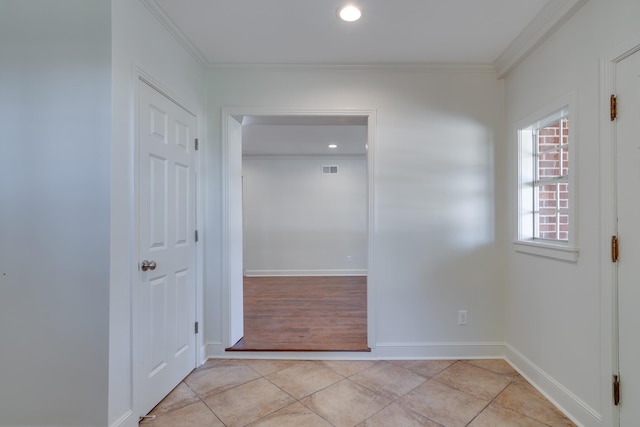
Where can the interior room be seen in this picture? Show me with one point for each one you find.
(499, 213)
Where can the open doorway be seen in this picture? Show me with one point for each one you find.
(306, 224)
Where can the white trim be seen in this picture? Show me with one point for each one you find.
(523, 241)
(382, 351)
(547, 250)
(418, 66)
(440, 350)
(164, 19)
(123, 420)
(552, 16)
(237, 113)
(276, 273)
(567, 402)
(608, 226)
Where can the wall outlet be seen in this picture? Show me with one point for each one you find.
(463, 318)
(348, 258)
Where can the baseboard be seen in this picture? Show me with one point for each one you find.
(125, 419)
(437, 350)
(270, 273)
(383, 351)
(570, 404)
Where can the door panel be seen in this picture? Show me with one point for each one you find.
(628, 195)
(167, 297)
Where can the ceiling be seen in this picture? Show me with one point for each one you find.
(308, 32)
(491, 34)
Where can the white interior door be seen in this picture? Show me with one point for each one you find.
(628, 195)
(166, 248)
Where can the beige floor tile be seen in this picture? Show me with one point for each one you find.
(473, 380)
(303, 378)
(346, 403)
(194, 415)
(248, 402)
(524, 399)
(426, 368)
(391, 381)
(179, 397)
(296, 415)
(211, 380)
(397, 416)
(498, 366)
(443, 404)
(496, 416)
(265, 367)
(347, 368)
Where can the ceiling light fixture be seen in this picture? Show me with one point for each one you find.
(332, 146)
(349, 13)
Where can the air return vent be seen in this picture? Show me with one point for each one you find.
(327, 170)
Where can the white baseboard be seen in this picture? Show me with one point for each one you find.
(437, 350)
(570, 404)
(124, 420)
(387, 351)
(270, 273)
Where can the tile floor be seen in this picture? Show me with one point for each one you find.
(398, 393)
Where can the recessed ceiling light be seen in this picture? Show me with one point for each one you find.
(349, 13)
(333, 146)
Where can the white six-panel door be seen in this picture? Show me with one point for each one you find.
(166, 246)
(628, 195)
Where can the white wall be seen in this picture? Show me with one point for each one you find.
(553, 308)
(299, 221)
(54, 212)
(140, 44)
(437, 144)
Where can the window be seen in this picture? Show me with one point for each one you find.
(546, 190)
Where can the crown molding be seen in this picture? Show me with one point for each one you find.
(552, 16)
(175, 31)
(444, 67)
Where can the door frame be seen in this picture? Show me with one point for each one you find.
(230, 120)
(608, 227)
(141, 76)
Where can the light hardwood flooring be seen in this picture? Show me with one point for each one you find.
(304, 314)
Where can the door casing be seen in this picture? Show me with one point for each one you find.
(608, 227)
(232, 175)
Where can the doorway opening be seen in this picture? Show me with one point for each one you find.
(297, 229)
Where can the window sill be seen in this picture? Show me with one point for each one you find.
(547, 250)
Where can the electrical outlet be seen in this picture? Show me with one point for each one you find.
(463, 318)
(348, 258)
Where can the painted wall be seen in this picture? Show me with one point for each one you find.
(301, 221)
(553, 308)
(436, 192)
(55, 164)
(140, 44)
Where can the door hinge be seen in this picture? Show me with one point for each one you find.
(195, 327)
(616, 390)
(196, 235)
(615, 250)
(613, 107)
(197, 144)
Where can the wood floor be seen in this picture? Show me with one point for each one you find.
(304, 314)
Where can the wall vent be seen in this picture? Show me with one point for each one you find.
(329, 169)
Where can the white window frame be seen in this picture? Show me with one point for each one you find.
(524, 241)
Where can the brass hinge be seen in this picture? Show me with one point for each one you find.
(615, 251)
(613, 107)
(198, 144)
(616, 390)
(195, 328)
(196, 235)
